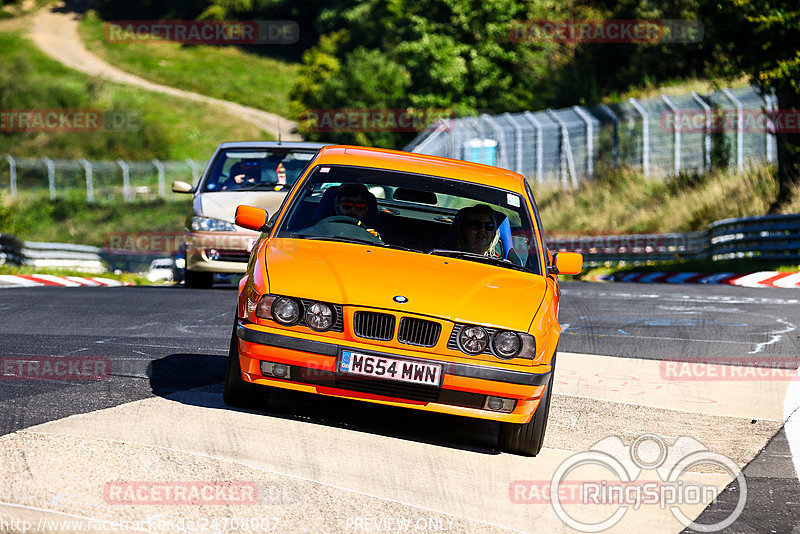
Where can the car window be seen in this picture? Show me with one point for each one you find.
(271, 169)
(424, 214)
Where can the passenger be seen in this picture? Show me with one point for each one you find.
(476, 229)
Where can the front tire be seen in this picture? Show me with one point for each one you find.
(236, 391)
(527, 438)
(198, 280)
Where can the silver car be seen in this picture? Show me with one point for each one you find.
(253, 173)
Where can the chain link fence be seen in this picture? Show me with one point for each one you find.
(95, 180)
(662, 136)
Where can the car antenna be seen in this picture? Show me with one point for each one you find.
(279, 131)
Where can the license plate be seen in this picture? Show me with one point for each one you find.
(390, 368)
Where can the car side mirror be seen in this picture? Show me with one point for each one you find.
(179, 186)
(250, 217)
(566, 263)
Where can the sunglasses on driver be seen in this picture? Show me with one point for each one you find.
(477, 225)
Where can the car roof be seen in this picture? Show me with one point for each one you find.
(422, 164)
(271, 144)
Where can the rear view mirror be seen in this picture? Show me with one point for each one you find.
(415, 195)
(250, 217)
(567, 263)
(179, 186)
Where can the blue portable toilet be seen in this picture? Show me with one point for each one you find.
(480, 151)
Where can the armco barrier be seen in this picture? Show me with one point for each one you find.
(54, 255)
(768, 238)
(10, 250)
(771, 237)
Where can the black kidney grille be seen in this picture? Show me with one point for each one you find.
(418, 332)
(371, 325)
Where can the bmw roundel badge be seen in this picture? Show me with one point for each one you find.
(400, 299)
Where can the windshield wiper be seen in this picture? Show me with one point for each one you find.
(463, 255)
(338, 238)
(344, 239)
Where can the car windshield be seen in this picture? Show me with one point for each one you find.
(418, 213)
(270, 169)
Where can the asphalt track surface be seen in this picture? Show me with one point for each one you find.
(332, 465)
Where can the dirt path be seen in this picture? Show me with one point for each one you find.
(55, 31)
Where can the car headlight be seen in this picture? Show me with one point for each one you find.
(319, 316)
(286, 311)
(207, 224)
(506, 344)
(473, 339)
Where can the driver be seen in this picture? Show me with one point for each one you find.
(352, 200)
(241, 174)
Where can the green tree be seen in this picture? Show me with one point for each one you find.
(759, 38)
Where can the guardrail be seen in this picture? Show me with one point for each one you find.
(768, 238)
(50, 255)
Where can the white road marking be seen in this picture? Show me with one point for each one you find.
(777, 335)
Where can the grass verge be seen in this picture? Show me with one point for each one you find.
(225, 72)
(75, 221)
(169, 128)
(623, 201)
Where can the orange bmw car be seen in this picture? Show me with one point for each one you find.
(403, 279)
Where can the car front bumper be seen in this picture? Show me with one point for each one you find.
(219, 252)
(314, 368)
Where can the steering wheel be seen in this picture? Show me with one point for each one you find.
(350, 227)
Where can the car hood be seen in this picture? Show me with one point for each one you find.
(446, 288)
(222, 204)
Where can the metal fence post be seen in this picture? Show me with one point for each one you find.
(539, 146)
(518, 140)
(645, 135)
(126, 180)
(676, 155)
(51, 176)
(195, 171)
(567, 161)
(707, 136)
(615, 141)
(739, 128)
(87, 171)
(12, 171)
(162, 191)
(771, 148)
(589, 140)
